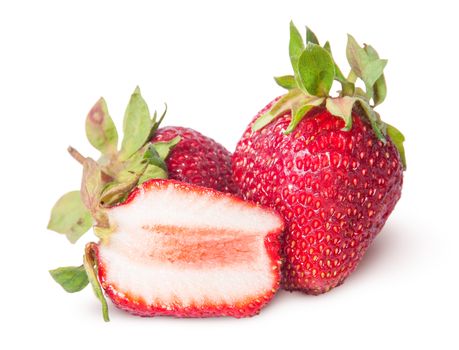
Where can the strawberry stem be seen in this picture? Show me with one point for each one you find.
(91, 266)
(81, 159)
(76, 155)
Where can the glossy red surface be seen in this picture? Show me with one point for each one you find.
(334, 188)
(197, 159)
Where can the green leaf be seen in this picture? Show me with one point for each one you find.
(371, 52)
(116, 192)
(296, 47)
(152, 172)
(300, 109)
(379, 90)
(397, 138)
(90, 265)
(379, 87)
(147, 163)
(164, 147)
(156, 123)
(91, 184)
(341, 107)
(282, 105)
(373, 71)
(100, 129)
(338, 74)
(366, 64)
(71, 278)
(137, 125)
(347, 87)
(103, 233)
(356, 56)
(316, 70)
(375, 121)
(361, 94)
(352, 77)
(151, 156)
(287, 81)
(126, 180)
(297, 116)
(70, 217)
(311, 37)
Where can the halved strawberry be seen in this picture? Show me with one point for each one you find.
(188, 251)
(166, 247)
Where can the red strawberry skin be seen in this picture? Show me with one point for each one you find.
(334, 188)
(243, 308)
(198, 159)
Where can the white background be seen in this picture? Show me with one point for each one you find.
(213, 64)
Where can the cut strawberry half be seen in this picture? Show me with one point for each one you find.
(182, 250)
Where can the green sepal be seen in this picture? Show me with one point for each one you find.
(297, 116)
(348, 88)
(91, 184)
(103, 233)
(156, 122)
(360, 93)
(341, 107)
(148, 163)
(316, 70)
(91, 187)
(286, 81)
(116, 191)
(376, 124)
(164, 147)
(339, 76)
(397, 138)
(70, 217)
(100, 129)
(284, 104)
(137, 125)
(72, 278)
(151, 156)
(127, 179)
(356, 56)
(91, 267)
(352, 77)
(311, 37)
(379, 87)
(152, 172)
(296, 47)
(371, 73)
(364, 65)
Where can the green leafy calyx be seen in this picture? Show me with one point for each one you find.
(69, 216)
(116, 173)
(91, 267)
(315, 70)
(75, 278)
(71, 278)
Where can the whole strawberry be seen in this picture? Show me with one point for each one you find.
(329, 165)
(197, 159)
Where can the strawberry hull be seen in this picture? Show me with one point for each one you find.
(198, 263)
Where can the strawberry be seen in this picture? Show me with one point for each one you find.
(218, 257)
(330, 166)
(165, 247)
(197, 159)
